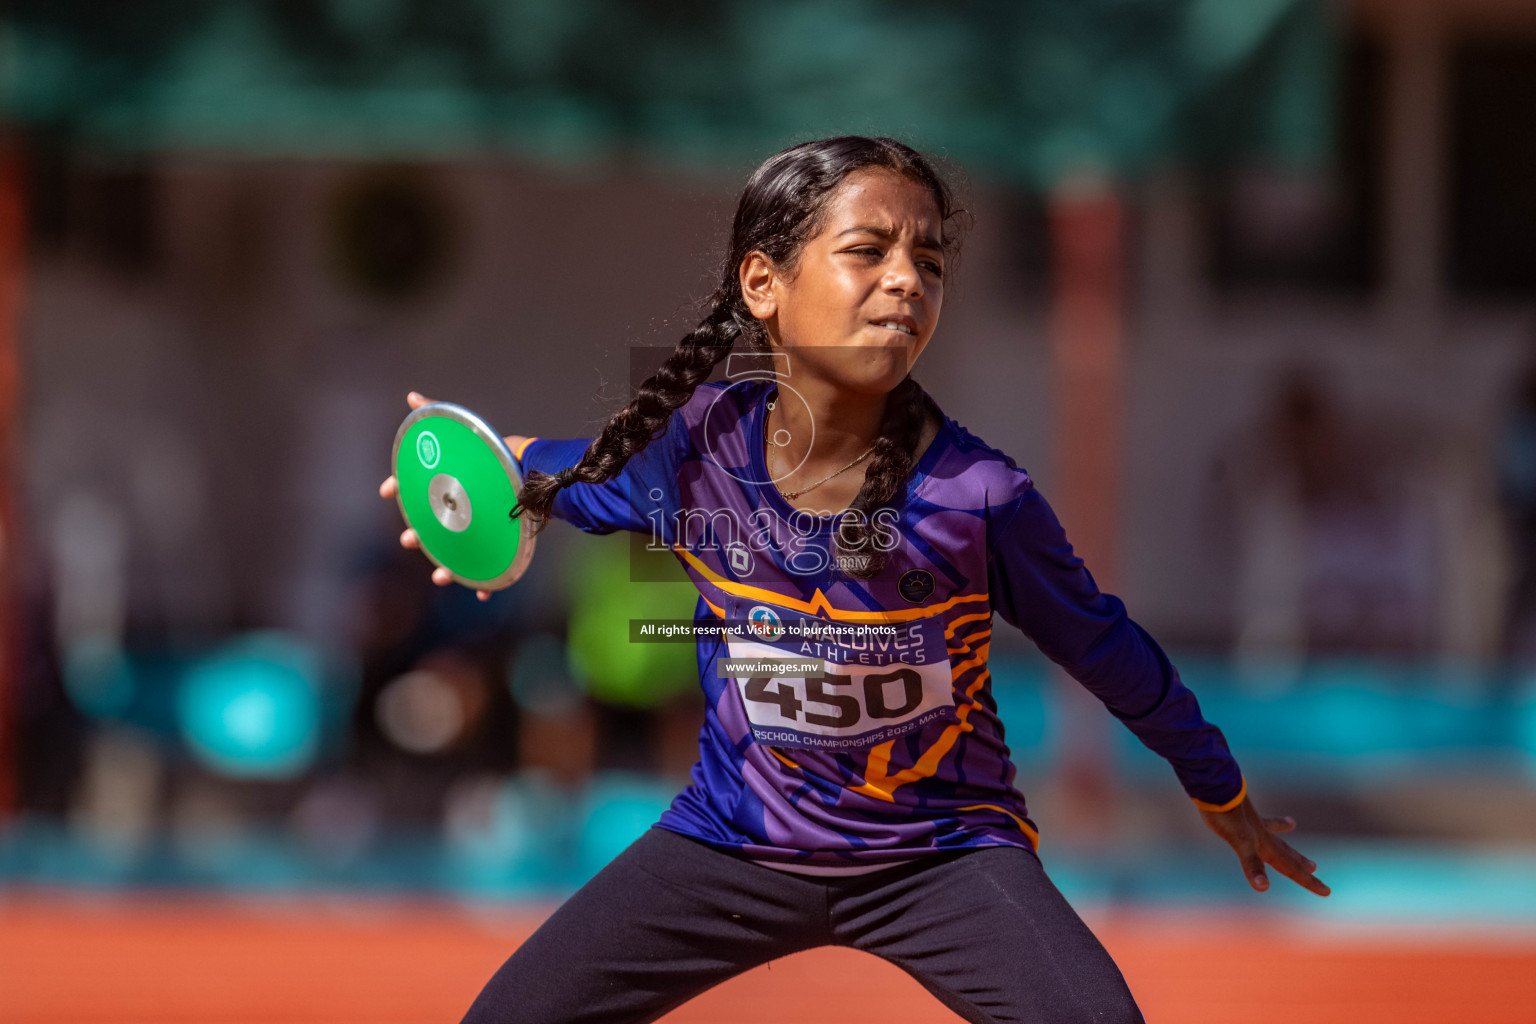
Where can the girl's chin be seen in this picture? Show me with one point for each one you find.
(873, 383)
(868, 369)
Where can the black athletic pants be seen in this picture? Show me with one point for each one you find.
(983, 930)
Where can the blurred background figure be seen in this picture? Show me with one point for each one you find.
(1517, 498)
(1337, 546)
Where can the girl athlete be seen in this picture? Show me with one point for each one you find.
(853, 787)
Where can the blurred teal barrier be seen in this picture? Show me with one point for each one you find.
(533, 838)
(1337, 721)
(1349, 719)
(1374, 882)
(618, 810)
(1027, 708)
(526, 837)
(516, 845)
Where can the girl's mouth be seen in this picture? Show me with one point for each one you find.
(901, 323)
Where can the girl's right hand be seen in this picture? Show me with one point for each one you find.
(390, 487)
(1253, 839)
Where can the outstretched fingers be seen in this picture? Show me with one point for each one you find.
(1292, 865)
(390, 487)
(1253, 869)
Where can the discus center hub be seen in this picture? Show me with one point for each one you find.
(450, 503)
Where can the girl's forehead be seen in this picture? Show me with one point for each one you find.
(883, 199)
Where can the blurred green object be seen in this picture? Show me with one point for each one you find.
(1021, 90)
(253, 709)
(603, 598)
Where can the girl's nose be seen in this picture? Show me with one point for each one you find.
(904, 277)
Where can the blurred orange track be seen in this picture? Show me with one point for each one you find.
(140, 960)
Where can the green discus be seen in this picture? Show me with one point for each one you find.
(458, 484)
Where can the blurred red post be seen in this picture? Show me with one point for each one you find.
(12, 261)
(1087, 222)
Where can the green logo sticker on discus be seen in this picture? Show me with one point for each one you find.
(427, 449)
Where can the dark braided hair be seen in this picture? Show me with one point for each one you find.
(780, 208)
(860, 552)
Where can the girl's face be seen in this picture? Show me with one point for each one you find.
(863, 299)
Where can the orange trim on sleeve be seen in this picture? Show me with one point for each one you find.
(517, 453)
(1226, 806)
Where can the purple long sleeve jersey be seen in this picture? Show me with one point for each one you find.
(861, 729)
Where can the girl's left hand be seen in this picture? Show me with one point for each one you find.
(1253, 839)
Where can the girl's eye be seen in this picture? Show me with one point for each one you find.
(874, 252)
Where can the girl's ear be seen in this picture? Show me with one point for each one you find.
(758, 277)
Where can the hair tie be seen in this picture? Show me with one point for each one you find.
(566, 476)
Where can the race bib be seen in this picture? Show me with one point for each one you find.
(808, 682)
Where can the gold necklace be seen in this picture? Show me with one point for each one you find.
(795, 494)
